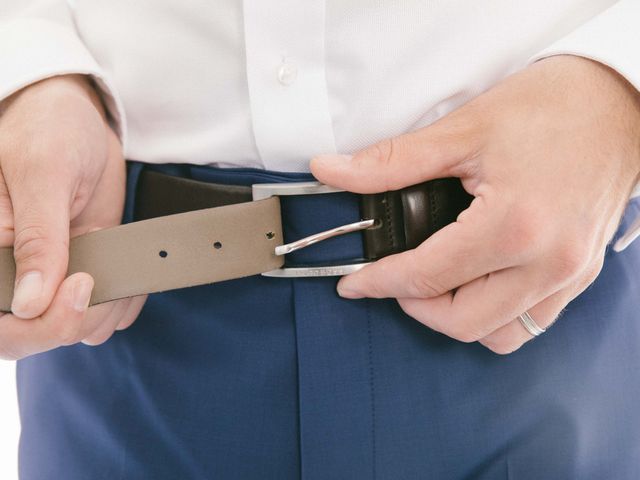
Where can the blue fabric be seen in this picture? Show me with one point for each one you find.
(265, 378)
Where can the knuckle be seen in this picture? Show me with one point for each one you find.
(384, 154)
(587, 278)
(33, 242)
(423, 285)
(522, 233)
(594, 271)
(569, 260)
(383, 151)
(372, 288)
(460, 330)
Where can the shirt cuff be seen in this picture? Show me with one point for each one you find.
(613, 39)
(33, 49)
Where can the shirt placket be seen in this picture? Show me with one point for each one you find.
(286, 78)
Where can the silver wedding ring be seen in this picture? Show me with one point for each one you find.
(530, 325)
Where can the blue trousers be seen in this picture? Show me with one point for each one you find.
(267, 378)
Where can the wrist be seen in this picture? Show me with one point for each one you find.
(618, 105)
(616, 93)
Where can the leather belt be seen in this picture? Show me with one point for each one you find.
(189, 233)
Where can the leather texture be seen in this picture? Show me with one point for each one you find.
(407, 217)
(387, 234)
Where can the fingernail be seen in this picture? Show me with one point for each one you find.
(333, 160)
(29, 288)
(81, 295)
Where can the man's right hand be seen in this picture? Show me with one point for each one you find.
(62, 174)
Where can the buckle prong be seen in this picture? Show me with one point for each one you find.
(318, 237)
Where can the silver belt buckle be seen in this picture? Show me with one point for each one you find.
(266, 190)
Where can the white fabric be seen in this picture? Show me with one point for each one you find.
(269, 84)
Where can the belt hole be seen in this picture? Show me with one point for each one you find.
(163, 253)
(270, 235)
(377, 223)
(217, 245)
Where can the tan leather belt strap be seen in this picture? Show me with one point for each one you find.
(175, 251)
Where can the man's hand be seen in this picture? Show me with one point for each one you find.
(62, 175)
(550, 155)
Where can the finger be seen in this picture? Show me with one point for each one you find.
(483, 305)
(137, 303)
(440, 150)
(41, 243)
(113, 316)
(512, 336)
(455, 255)
(104, 318)
(61, 324)
(105, 208)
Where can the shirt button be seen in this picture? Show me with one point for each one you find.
(287, 74)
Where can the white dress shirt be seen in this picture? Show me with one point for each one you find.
(270, 84)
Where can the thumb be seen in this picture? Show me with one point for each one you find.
(437, 151)
(41, 242)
